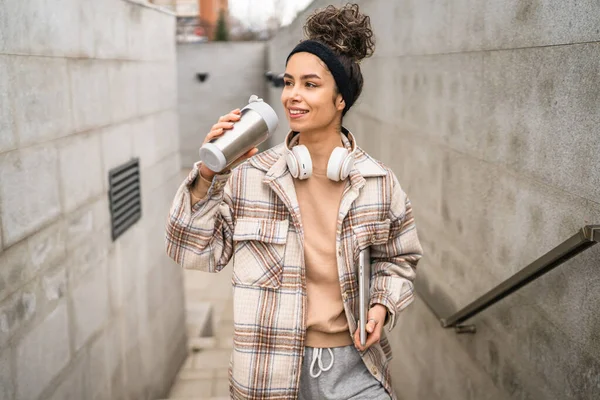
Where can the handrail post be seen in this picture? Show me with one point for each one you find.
(593, 232)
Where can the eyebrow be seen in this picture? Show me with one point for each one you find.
(303, 77)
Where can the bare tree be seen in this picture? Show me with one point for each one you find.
(277, 10)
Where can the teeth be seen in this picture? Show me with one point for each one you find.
(296, 112)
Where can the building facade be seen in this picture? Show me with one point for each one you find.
(209, 14)
(196, 19)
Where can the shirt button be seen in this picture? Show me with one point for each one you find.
(340, 252)
(344, 296)
(374, 370)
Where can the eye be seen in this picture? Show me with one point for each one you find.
(288, 83)
(310, 85)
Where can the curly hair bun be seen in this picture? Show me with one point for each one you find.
(345, 30)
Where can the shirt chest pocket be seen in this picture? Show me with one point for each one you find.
(259, 249)
(369, 234)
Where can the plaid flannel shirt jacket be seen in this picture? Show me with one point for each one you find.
(251, 219)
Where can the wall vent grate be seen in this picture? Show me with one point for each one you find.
(124, 197)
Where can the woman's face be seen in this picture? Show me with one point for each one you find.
(309, 94)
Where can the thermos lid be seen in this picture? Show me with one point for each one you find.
(265, 111)
(213, 157)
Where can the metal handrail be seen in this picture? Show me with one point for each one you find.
(586, 237)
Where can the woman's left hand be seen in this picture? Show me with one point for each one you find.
(375, 320)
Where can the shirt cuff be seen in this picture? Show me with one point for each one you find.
(384, 300)
(199, 189)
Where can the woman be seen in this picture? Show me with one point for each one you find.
(292, 222)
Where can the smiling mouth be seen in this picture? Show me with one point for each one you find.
(297, 112)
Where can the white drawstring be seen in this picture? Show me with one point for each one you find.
(317, 354)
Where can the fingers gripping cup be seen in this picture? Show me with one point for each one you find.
(257, 122)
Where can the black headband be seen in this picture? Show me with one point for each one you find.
(332, 61)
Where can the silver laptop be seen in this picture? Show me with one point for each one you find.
(364, 278)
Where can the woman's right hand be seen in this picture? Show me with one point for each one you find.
(225, 123)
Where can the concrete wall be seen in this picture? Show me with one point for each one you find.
(489, 114)
(235, 71)
(85, 86)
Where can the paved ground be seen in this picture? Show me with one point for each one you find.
(205, 374)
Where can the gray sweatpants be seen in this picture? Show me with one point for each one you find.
(348, 377)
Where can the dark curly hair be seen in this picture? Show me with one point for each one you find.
(348, 33)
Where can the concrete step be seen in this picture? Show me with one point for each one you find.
(201, 343)
(204, 378)
(197, 398)
(199, 319)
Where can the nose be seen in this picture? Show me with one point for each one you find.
(291, 94)
(295, 93)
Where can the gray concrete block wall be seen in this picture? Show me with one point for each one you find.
(235, 72)
(35, 81)
(488, 114)
(85, 87)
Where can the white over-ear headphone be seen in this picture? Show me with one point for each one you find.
(339, 166)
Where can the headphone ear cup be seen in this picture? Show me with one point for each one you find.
(347, 166)
(292, 163)
(303, 161)
(335, 166)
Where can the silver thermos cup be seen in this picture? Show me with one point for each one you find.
(258, 121)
